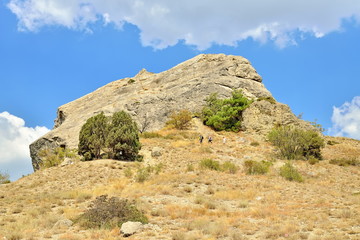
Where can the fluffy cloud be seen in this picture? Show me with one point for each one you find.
(346, 119)
(15, 138)
(201, 23)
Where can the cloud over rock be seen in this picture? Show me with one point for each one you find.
(199, 23)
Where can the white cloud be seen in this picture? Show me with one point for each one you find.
(15, 138)
(201, 23)
(346, 119)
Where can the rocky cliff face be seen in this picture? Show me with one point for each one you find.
(151, 97)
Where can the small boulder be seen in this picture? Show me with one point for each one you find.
(156, 152)
(67, 161)
(130, 228)
(63, 223)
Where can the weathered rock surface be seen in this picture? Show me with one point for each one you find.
(130, 228)
(150, 98)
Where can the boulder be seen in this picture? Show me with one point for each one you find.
(130, 228)
(156, 152)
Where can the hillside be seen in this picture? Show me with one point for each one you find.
(186, 202)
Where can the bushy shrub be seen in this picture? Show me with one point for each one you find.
(180, 120)
(4, 178)
(150, 135)
(255, 168)
(116, 137)
(225, 114)
(144, 173)
(289, 172)
(313, 160)
(345, 162)
(255, 144)
(295, 143)
(229, 167)
(53, 157)
(210, 164)
(111, 212)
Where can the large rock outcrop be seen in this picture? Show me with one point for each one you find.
(151, 97)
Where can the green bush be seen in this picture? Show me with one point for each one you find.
(255, 144)
(111, 212)
(313, 160)
(229, 167)
(289, 172)
(296, 143)
(257, 168)
(225, 114)
(53, 157)
(114, 137)
(343, 162)
(150, 135)
(180, 120)
(210, 164)
(4, 178)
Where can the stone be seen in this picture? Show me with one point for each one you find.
(67, 161)
(156, 152)
(151, 97)
(63, 223)
(129, 228)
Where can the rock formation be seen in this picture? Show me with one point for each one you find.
(151, 97)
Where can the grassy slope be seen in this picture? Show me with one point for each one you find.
(198, 204)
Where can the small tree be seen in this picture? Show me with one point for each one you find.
(123, 139)
(93, 136)
(180, 120)
(225, 114)
(295, 143)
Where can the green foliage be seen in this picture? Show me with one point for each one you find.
(331, 142)
(254, 144)
(343, 162)
(131, 81)
(269, 99)
(150, 135)
(180, 120)
(313, 160)
(111, 212)
(4, 178)
(210, 164)
(144, 173)
(216, 166)
(289, 172)
(115, 137)
(123, 138)
(92, 136)
(225, 114)
(257, 168)
(296, 143)
(53, 157)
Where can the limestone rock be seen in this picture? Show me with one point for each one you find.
(151, 97)
(63, 223)
(156, 152)
(130, 228)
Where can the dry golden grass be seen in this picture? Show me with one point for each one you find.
(194, 204)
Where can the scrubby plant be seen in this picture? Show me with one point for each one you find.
(343, 162)
(53, 157)
(295, 143)
(111, 212)
(313, 160)
(180, 120)
(229, 167)
(210, 164)
(255, 144)
(255, 168)
(113, 137)
(289, 172)
(268, 99)
(4, 178)
(150, 135)
(131, 81)
(225, 114)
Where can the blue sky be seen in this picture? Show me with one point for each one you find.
(55, 51)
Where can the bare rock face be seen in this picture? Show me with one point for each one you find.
(150, 98)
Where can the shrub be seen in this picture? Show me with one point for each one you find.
(4, 178)
(111, 212)
(268, 99)
(313, 160)
(229, 167)
(130, 81)
(210, 164)
(180, 120)
(225, 114)
(296, 143)
(331, 142)
(254, 144)
(113, 137)
(289, 172)
(53, 157)
(254, 167)
(150, 135)
(345, 162)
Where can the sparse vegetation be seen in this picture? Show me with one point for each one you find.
(151, 135)
(4, 178)
(111, 212)
(116, 137)
(255, 144)
(180, 120)
(130, 81)
(294, 143)
(289, 172)
(345, 162)
(268, 99)
(216, 166)
(225, 114)
(54, 157)
(254, 167)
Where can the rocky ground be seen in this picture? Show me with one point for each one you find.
(186, 202)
